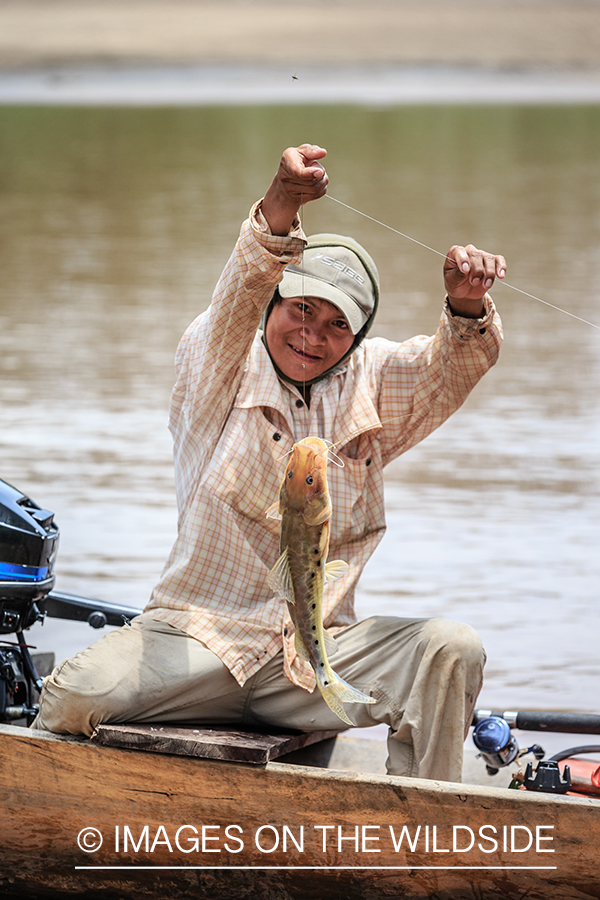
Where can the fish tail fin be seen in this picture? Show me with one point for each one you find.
(336, 691)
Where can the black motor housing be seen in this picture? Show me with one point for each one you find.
(28, 547)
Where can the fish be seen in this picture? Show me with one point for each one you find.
(300, 573)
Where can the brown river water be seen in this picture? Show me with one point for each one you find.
(114, 226)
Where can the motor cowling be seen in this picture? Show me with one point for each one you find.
(29, 540)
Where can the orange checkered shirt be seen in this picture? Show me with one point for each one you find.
(233, 420)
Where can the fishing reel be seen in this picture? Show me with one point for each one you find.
(499, 748)
(496, 743)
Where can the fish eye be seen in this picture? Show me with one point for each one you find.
(309, 479)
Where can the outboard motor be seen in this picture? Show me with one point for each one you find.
(28, 547)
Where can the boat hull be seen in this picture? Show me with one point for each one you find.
(179, 827)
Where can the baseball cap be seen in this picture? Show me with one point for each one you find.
(337, 269)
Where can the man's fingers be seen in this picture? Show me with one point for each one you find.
(301, 175)
(312, 151)
(474, 266)
(313, 173)
(302, 162)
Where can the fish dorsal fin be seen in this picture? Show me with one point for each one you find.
(273, 511)
(331, 645)
(279, 578)
(300, 648)
(335, 569)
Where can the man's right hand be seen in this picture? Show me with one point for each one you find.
(299, 179)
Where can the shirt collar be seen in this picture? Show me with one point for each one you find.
(261, 386)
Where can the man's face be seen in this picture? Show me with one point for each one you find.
(306, 336)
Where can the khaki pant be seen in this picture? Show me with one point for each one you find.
(425, 674)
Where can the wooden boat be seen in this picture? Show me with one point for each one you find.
(141, 812)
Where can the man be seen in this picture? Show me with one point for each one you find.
(214, 645)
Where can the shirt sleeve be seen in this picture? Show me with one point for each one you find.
(210, 359)
(421, 382)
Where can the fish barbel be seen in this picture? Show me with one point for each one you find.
(300, 573)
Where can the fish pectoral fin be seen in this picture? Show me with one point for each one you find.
(279, 578)
(319, 511)
(335, 569)
(331, 645)
(300, 648)
(273, 511)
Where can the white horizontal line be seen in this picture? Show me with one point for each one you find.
(263, 868)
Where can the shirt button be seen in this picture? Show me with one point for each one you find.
(276, 436)
(482, 330)
(299, 404)
(285, 632)
(368, 462)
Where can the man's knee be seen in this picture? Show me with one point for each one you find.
(455, 640)
(68, 705)
(64, 715)
(93, 686)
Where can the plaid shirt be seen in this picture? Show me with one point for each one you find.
(233, 420)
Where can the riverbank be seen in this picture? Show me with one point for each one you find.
(497, 34)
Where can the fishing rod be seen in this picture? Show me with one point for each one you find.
(537, 720)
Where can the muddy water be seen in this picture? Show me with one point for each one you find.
(114, 226)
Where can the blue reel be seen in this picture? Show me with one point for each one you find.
(496, 744)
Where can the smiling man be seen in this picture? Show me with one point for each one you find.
(307, 336)
(282, 354)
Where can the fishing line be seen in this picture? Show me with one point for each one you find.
(332, 455)
(335, 459)
(444, 255)
(303, 298)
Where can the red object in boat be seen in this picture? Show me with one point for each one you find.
(585, 776)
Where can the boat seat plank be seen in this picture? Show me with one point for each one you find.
(208, 743)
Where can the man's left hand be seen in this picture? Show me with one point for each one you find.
(468, 274)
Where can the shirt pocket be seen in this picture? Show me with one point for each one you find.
(357, 496)
(247, 467)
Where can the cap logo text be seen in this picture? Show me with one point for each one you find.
(336, 264)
